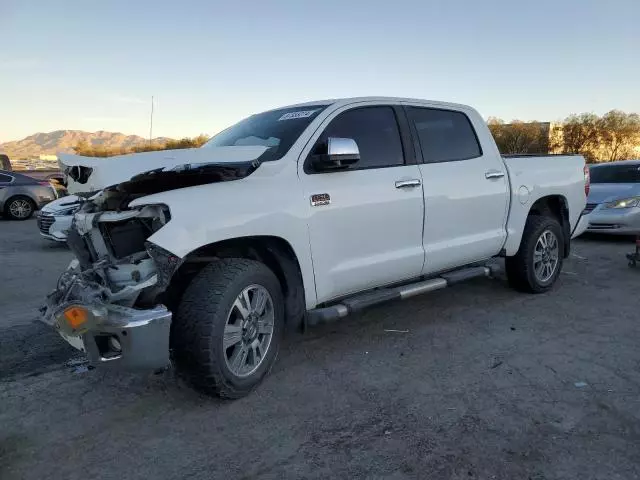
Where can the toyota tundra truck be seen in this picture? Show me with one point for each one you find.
(203, 258)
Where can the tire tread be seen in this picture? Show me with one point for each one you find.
(519, 268)
(199, 311)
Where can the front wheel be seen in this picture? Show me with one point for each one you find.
(227, 329)
(538, 262)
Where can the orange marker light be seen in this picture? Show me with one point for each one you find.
(76, 316)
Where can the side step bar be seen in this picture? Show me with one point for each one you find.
(366, 300)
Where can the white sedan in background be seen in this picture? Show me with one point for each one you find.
(54, 220)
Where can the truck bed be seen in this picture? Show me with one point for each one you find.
(519, 155)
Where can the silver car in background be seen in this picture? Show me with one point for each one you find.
(614, 199)
(21, 195)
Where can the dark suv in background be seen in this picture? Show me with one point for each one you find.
(21, 195)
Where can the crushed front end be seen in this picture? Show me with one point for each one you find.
(107, 301)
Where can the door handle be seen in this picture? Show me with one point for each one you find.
(493, 174)
(413, 182)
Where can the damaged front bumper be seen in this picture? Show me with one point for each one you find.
(96, 308)
(108, 301)
(113, 335)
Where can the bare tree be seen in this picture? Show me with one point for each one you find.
(614, 136)
(619, 134)
(519, 136)
(580, 134)
(84, 149)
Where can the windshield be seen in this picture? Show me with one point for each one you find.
(615, 174)
(276, 129)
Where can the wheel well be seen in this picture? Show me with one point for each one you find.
(20, 195)
(557, 207)
(275, 252)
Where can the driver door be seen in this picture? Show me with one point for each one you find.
(367, 230)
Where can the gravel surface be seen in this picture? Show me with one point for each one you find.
(476, 381)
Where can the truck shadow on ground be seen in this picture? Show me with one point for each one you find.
(34, 349)
(30, 350)
(50, 245)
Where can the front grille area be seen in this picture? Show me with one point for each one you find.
(589, 208)
(45, 222)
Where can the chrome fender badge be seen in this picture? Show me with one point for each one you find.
(319, 199)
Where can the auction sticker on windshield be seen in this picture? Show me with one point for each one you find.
(298, 114)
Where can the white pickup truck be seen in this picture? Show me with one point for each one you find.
(297, 216)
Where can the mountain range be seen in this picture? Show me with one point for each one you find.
(64, 140)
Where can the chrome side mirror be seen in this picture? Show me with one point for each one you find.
(341, 153)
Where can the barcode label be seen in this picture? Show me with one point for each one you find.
(298, 114)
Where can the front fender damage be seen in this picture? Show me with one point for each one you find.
(115, 264)
(116, 282)
(110, 300)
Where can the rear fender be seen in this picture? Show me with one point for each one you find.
(19, 191)
(553, 205)
(535, 178)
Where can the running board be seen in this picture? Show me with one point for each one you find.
(360, 302)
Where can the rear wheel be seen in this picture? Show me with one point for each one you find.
(227, 329)
(19, 208)
(538, 262)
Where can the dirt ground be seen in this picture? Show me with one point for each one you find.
(478, 382)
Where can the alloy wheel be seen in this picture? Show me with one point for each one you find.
(20, 208)
(545, 256)
(248, 330)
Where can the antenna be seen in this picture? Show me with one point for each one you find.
(151, 123)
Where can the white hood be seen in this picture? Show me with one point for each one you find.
(113, 170)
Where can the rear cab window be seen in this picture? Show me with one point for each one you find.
(444, 135)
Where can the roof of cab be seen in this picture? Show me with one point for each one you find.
(352, 100)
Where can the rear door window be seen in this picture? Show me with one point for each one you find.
(444, 135)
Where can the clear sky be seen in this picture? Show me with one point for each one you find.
(94, 64)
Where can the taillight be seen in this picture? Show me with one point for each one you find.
(587, 180)
(50, 185)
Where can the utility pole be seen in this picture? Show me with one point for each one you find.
(151, 123)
